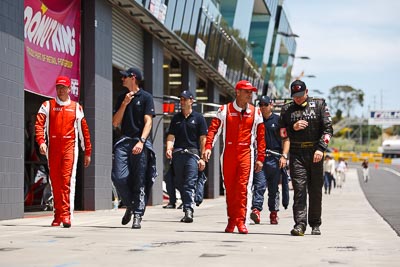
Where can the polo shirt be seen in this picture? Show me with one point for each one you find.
(272, 138)
(133, 120)
(187, 131)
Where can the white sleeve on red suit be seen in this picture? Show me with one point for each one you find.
(260, 131)
(216, 127)
(83, 130)
(42, 122)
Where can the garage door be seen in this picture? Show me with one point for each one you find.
(127, 41)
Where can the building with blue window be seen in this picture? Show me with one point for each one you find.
(263, 23)
(204, 46)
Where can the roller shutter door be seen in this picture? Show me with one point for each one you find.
(127, 41)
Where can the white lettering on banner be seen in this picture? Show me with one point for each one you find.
(40, 29)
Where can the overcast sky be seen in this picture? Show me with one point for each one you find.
(349, 42)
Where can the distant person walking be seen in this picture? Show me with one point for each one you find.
(329, 172)
(340, 171)
(365, 170)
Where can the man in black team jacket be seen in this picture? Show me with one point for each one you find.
(305, 126)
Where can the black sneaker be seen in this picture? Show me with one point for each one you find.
(169, 206)
(188, 218)
(315, 230)
(137, 219)
(297, 231)
(127, 217)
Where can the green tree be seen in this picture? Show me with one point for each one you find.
(338, 116)
(344, 98)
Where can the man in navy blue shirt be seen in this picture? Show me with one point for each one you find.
(271, 173)
(134, 160)
(185, 143)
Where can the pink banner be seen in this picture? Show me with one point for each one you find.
(52, 45)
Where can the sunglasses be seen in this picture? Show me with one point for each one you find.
(263, 105)
(129, 76)
(296, 88)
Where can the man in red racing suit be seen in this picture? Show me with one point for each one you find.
(241, 125)
(61, 121)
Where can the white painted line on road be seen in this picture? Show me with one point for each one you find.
(391, 170)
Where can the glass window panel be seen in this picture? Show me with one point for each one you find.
(193, 26)
(169, 17)
(212, 46)
(178, 19)
(187, 19)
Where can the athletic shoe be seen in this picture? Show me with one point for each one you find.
(66, 222)
(255, 216)
(169, 206)
(188, 218)
(127, 217)
(297, 231)
(137, 219)
(273, 217)
(315, 230)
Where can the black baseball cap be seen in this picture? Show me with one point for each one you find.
(186, 94)
(132, 72)
(265, 100)
(297, 88)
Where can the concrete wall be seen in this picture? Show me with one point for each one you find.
(11, 109)
(97, 95)
(153, 83)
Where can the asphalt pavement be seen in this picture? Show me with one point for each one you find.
(353, 234)
(382, 192)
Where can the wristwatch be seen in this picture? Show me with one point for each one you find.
(143, 140)
(284, 156)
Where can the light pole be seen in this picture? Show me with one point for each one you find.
(317, 91)
(286, 34)
(301, 75)
(300, 57)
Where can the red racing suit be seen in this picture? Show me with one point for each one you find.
(241, 133)
(62, 123)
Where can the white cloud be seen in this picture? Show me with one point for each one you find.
(350, 42)
(344, 39)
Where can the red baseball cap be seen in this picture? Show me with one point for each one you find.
(63, 80)
(246, 85)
